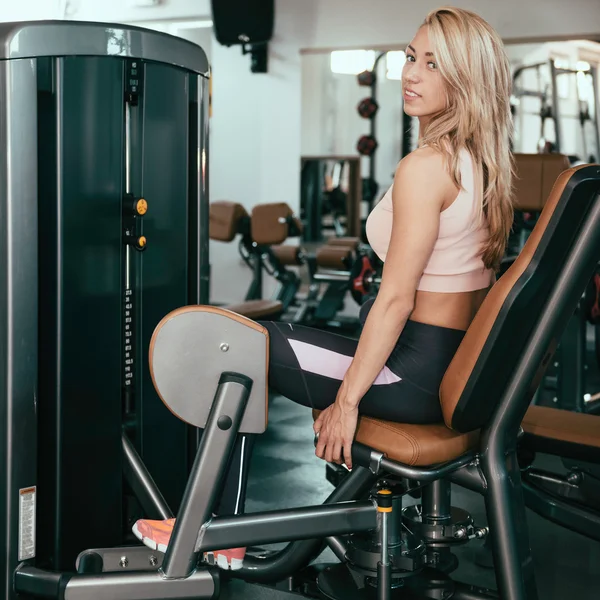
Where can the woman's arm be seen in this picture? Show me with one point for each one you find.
(421, 188)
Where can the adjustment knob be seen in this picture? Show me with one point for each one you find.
(137, 207)
(139, 242)
(141, 207)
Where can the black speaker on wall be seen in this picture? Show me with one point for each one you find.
(243, 21)
(246, 23)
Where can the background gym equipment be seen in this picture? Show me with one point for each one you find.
(565, 384)
(269, 224)
(343, 265)
(367, 144)
(547, 76)
(91, 175)
(330, 197)
(367, 108)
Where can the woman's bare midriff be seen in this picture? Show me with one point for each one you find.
(455, 311)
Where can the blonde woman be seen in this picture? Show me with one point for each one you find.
(441, 231)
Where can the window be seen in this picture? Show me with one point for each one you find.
(395, 63)
(352, 62)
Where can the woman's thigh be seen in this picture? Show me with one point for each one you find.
(308, 365)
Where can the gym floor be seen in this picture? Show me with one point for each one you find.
(285, 473)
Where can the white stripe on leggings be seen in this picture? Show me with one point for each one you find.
(328, 363)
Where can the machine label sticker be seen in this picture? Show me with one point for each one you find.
(27, 499)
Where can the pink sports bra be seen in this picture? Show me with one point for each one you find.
(455, 264)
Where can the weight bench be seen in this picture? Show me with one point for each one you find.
(269, 224)
(535, 175)
(570, 499)
(209, 367)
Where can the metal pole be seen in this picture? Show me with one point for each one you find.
(555, 111)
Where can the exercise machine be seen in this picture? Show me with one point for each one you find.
(269, 224)
(330, 197)
(341, 267)
(385, 551)
(549, 98)
(104, 230)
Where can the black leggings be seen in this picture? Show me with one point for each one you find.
(308, 365)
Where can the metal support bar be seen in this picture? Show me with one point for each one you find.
(425, 475)
(470, 477)
(142, 484)
(572, 358)
(436, 501)
(141, 585)
(555, 110)
(508, 526)
(338, 547)
(287, 525)
(207, 473)
(332, 276)
(255, 291)
(296, 555)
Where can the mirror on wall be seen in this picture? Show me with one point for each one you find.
(352, 107)
(330, 197)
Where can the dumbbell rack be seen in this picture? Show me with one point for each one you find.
(367, 144)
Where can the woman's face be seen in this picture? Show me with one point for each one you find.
(423, 88)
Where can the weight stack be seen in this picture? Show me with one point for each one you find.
(103, 191)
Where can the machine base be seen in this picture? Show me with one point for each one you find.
(338, 583)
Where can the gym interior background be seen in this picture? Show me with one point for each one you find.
(264, 126)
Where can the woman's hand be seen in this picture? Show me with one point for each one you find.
(336, 427)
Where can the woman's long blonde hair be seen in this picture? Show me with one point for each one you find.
(470, 57)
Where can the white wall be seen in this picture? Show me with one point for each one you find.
(121, 10)
(30, 10)
(377, 23)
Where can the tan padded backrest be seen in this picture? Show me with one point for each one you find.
(224, 220)
(463, 363)
(270, 223)
(534, 178)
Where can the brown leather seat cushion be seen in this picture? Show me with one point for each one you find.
(427, 445)
(334, 257)
(417, 445)
(287, 255)
(563, 426)
(256, 309)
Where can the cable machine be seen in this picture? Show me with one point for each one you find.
(548, 95)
